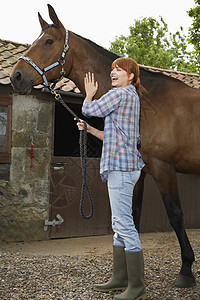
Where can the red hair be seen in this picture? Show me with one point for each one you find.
(130, 66)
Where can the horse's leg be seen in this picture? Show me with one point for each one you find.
(165, 177)
(137, 200)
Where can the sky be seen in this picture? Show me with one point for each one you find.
(99, 21)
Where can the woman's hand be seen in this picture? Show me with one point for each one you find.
(92, 130)
(91, 86)
(80, 125)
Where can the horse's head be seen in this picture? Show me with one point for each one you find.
(46, 55)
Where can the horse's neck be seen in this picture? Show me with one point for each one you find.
(88, 58)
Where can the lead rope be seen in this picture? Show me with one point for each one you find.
(83, 156)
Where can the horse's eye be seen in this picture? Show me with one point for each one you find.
(49, 42)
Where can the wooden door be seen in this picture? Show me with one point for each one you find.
(65, 192)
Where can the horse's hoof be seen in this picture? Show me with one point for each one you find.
(183, 281)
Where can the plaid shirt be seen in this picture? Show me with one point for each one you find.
(121, 109)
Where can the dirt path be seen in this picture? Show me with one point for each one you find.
(87, 245)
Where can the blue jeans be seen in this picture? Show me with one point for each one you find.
(120, 189)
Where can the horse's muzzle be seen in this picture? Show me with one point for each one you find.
(20, 84)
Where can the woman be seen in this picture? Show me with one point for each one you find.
(120, 166)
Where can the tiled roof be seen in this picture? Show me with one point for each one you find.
(193, 80)
(11, 51)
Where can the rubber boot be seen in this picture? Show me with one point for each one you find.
(119, 279)
(135, 268)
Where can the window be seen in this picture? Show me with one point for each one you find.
(5, 128)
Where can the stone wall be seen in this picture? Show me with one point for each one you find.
(24, 197)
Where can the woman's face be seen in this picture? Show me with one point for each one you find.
(119, 77)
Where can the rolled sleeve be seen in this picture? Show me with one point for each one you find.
(92, 109)
(104, 106)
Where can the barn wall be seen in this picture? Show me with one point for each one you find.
(24, 198)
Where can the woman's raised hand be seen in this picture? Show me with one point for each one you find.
(91, 86)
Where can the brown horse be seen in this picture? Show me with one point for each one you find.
(170, 135)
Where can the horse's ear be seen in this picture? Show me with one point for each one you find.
(53, 16)
(43, 23)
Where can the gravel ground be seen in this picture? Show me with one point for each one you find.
(35, 276)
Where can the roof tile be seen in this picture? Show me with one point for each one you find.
(2, 49)
(11, 60)
(4, 64)
(5, 80)
(6, 54)
(3, 74)
(10, 46)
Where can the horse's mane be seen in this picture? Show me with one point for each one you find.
(112, 55)
(103, 50)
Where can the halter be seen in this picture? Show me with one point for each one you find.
(61, 62)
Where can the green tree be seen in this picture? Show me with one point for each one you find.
(194, 31)
(150, 44)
